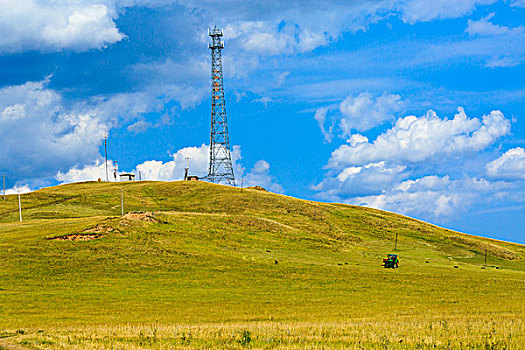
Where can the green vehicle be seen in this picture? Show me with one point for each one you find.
(391, 262)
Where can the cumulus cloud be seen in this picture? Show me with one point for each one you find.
(361, 112)
(195, 157)
(392, 171)
(363, 180)
(267, 38)
(40, 135)
(266, 28)
(414, 139)
(57, 25)
(87, 173)
(154, 170)
(174, 169)
(259, 175)
(436, 197)
(509, 166)
(18, 189)
(365, 111)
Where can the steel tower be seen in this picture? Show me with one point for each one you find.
(221, 170)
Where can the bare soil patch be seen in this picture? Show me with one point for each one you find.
(141, 216)
(78, 237)
(86, 235)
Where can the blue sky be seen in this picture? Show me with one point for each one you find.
(406, 105)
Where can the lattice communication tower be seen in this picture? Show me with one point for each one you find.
(221, 169)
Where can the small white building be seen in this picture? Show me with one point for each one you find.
(127, 177)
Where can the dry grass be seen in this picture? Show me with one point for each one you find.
(459, 332)
(202, 266)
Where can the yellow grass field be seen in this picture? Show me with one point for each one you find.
(197, 265)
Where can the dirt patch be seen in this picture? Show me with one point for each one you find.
(77, 237)
(258, 188)
(86, 235)
(141, 216)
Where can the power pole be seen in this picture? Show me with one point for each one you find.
(122, 202)
(395, 247)
(221, 169)
(115, 167)
(3, 176)
(19, 206)
(106, 153)
(485, 257)
(187, 168)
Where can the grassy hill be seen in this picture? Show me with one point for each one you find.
(209, 266)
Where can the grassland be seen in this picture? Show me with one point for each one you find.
(210, 266)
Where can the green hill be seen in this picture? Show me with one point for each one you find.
(197, 265)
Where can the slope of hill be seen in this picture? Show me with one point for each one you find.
(199, 265)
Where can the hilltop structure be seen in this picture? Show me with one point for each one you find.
(220, 168)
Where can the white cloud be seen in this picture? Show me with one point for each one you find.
(434, 197)
(40, 135)
(512, 36)
(414, 139)
(149, 170)
(320, 117)
(484, 27)
(363, 180)
(365, 112)
(273, 38)
(173, 170)
(391, 172)
(43, 134)
(267, 28)
(57, 25)
(87, 173)
(424, 10)
(259, 175)
(519, 3)
(18, 189)
(138, 127)
(510, 166)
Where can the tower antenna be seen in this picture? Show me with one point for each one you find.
(106, 153)
(220, 169)
(187, 168)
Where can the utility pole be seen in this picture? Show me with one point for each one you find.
(19, 206)
(485, 257)
(187, 168)
(220, 169)
(106, 153)
(3, 176)
(115, 170)
(395, 247)
(242, 184)
(122, 202)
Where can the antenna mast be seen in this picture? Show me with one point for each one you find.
(221, 169)
(106, 153)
